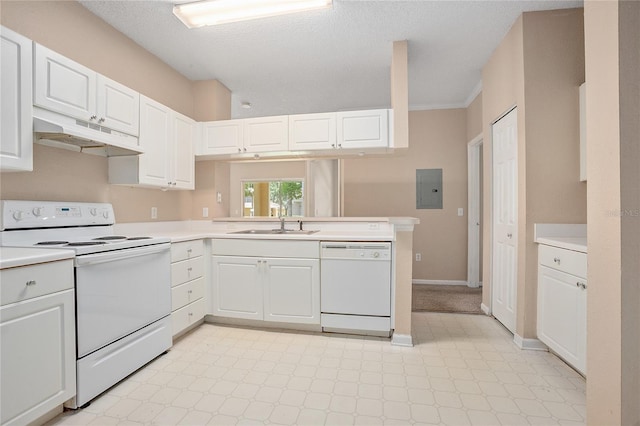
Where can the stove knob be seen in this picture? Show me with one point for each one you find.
(93, 211)
(105, 214)
(37, 211)
(18, 215)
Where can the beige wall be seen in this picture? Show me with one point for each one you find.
(70, 29)
(211, 101)
(613, 154)
(474, 118)
(548, 139)
(386, 186)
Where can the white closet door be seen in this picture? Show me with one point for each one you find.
(505, 219)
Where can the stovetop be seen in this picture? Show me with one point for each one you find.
(85, 228)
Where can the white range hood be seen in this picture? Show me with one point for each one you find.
(57, 130)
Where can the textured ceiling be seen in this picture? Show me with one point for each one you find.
(332, 59)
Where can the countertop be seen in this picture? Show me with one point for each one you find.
(327, 229)
(11, 257)
(570, 236)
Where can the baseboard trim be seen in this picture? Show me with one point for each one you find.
(402, 340)
(485, 309)
(529, 344)
(440, 282)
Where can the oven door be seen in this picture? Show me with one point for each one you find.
(119, 292)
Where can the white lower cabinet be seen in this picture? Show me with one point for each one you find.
(37, 341)
(265, 286)
(237, 287)
(187, 285)
(562, 303)
(291, 290)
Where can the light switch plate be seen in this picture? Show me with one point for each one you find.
(460, 211)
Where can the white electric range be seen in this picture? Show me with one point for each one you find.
(122, 286)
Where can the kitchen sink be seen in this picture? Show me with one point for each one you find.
(274, 232)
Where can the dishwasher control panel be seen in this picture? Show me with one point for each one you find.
(356, 250)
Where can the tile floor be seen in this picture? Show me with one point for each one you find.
(463, 369)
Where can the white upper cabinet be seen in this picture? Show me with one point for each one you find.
(63, 85)
(167, 139)
(16, 135)
(155, 138)
(249, 135)
(182, 158)
(67, 87)
(221, 137)
(312, 131)
(266, 134)
(363, 129)
(326, 132)
(118, 106)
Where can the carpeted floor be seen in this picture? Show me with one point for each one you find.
(446, 298)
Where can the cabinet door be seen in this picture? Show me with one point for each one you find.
(16, 135)
(221, 137)
(291, 290)
(118, 106)
(37, 357)
(182, 160)
(63, 85)
(155, 140)
(363, 129)
(312, 131)
(562, 316)
(266, 134)
(237, 287)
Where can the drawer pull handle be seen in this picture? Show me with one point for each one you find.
(509, 235)
(189, 269)
(189, 250)
(556, 260)
(581, 285)
(31, 282)
(190, 291)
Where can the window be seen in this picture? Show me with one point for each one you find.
(273, 198)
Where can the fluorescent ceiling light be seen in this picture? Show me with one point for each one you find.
(213, 12)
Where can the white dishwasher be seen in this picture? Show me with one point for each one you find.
(355, 287)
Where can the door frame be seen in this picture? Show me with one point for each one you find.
(473, 208)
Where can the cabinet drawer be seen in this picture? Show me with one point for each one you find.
(182, 295)
(27, 282)
(186, 250)
(571, 262)
(184, 317)
(186, 270)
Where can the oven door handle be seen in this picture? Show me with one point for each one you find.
(116, 255)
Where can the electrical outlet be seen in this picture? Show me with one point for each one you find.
(154, 212)
(205, 212)
(460, 211)
(219, 197)
(418, 257)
